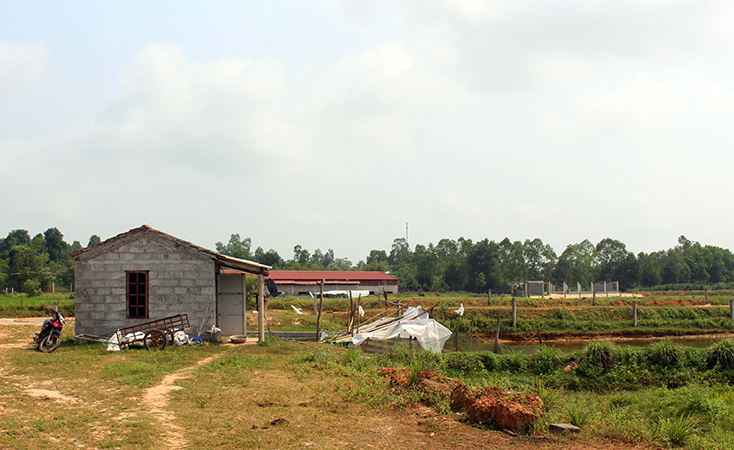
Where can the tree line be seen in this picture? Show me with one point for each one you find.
(34, 265)
(465, 265)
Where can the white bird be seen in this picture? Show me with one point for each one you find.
(295, 308)
(460, 311)
(361, 311)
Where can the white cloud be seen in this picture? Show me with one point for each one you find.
(372, 100)
(21, 65)
(192, 113)
(456, 206)
(639, 107)
(641, 104)
(560, 70)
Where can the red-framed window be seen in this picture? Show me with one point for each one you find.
(137, 294)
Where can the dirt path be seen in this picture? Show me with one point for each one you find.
(156, 401)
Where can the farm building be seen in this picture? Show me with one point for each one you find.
(145, 274)
(303, 282)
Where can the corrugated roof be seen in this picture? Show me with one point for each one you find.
(328, 275)
(227, 261)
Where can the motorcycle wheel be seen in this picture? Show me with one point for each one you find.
(155, 340)
(49, 343)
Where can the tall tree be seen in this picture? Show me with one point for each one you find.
(236, 247)
(56, 247)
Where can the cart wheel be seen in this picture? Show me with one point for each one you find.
(155, 340)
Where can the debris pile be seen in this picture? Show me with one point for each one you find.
(489, 405)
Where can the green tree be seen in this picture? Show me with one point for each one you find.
(56, 247)
(400, 253)
(484, 258)
(269, 258)
(93, 239)
(236, 247)
(20, 266)
(15, 237)
(426, 267)
(576, 264)
(540, 259)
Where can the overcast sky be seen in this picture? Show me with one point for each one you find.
(332, 124)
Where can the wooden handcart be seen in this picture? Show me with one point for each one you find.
(154, 334)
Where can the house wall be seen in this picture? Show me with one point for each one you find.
(181, 280)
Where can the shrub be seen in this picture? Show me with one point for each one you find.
(514, 362)
(466, 362)
(720, 355)
(664, 354)
(602, 354)
(676, 430)
(31, 288)
(490, 361)
(546, 361)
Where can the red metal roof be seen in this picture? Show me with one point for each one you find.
(328, 275)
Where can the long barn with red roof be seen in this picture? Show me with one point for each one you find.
(303, 282)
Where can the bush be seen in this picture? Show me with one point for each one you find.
(465, 362)
(32, 288)
(546, 361)
(720, 355)
(664, 354)
(598, 357)
(490, 361)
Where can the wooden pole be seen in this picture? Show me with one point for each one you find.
(321, 307)
(497, 338)
(471, 333)
(706, 293)
(359, 318)
(456, 335)
(514, 312)
(593, 298)
(489, 297)
(260, 308)
(350, 325)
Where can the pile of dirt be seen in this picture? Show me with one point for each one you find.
(489, 405)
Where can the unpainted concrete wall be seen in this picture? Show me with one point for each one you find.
(181, 280)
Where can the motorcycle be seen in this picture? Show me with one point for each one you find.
(49, 338)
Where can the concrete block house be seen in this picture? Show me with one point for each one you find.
(145, 274)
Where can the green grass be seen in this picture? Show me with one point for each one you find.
(19, 305)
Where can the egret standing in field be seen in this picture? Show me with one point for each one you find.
(460, 311)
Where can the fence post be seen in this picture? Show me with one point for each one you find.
(489, 297)
(634, 313)
(497, 338)
(514, 312)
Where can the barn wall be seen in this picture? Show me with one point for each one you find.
(181, 280)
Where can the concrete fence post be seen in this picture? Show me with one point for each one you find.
(514, 312)
(634, 313)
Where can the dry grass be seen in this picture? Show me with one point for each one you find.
(226, 397)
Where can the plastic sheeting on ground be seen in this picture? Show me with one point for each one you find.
(430, 334)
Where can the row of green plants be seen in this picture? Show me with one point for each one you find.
(665, 395)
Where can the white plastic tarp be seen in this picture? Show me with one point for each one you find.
(430, 334)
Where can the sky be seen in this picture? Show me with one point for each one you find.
(334, 123)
